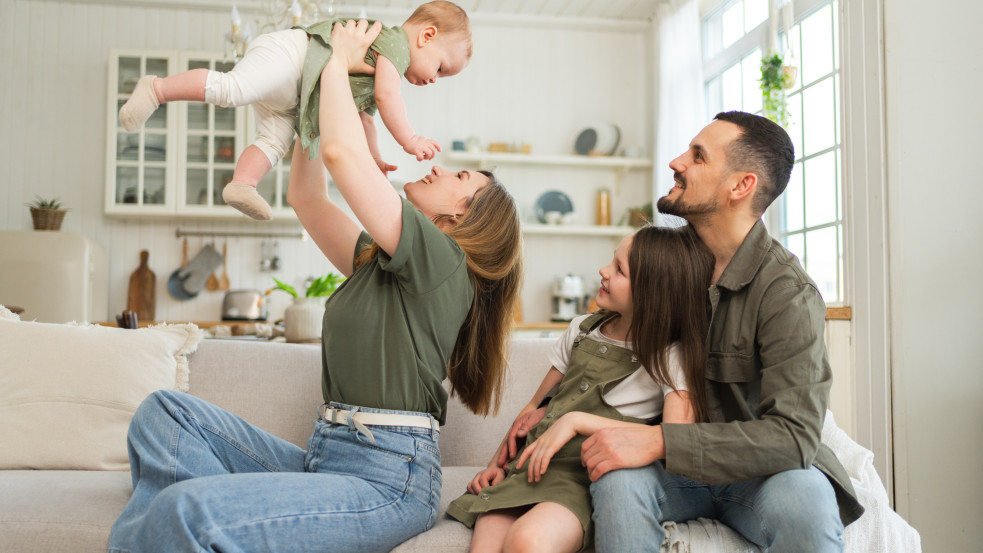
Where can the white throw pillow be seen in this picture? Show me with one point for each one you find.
(68, 392)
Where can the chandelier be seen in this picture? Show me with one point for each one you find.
(275, 15)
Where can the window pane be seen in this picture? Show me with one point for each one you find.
(755, 13)
(793, 200)
(795, 122)
(793, 54)
(713, 97)
(822, 263)
(751, 73)
(731, 88)
(732, 22)
(836, 34)
(817, 41)
(820, 189)
(711, 36)
(819, 117)
(795, 243)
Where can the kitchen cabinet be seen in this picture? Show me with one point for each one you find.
(178, 163)
(618, 165)
(140, 166)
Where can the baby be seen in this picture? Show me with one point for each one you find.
(279, 75)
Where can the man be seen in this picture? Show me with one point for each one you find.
(757, 465)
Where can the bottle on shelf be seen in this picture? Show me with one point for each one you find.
(603, 217)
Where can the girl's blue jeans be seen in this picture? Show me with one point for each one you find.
(205, 480)
(789, 512)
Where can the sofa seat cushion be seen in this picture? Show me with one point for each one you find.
(60, 510)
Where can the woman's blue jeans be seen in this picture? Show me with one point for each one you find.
(792, 511)
(205, 480)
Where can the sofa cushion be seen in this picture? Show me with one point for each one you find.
(60, 510)
(68, 392)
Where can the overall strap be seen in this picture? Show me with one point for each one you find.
(590, 323)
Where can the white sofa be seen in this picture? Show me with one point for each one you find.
(277, 387)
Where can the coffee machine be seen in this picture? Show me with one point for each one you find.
(568, 298)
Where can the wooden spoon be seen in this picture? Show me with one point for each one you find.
(184, 253)
(212, 283)
(223, 283)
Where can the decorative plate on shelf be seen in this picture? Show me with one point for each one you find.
(552, 200)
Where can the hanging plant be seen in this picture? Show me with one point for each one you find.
(775, 79)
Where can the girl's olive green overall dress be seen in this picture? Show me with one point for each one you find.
(595, 368)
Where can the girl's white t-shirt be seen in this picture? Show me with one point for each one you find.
(637, 395)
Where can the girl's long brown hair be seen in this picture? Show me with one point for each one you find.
(670, 271)
(490, 237)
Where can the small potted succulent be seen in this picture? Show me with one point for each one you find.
(302, 320)
(46, 214)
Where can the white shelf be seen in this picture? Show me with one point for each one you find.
(576, 230)
(485, 159)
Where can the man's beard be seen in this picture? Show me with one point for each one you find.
(678, 208)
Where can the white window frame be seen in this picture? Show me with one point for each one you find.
(759, 38)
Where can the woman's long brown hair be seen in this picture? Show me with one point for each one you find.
(491, 239)
(670, 271)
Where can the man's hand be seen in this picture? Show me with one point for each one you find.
(520, 428)
(485, 477)
(350, 42)
(618, 448)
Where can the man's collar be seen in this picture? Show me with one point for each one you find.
(747, 259)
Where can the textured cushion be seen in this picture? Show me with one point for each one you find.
(68, 392)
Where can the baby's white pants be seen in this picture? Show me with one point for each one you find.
(268, 77)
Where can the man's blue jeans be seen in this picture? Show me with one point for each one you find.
(205, 480)
(792, 511)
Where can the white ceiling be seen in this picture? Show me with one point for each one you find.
(571, 11)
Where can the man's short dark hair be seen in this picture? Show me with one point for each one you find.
(765, 149)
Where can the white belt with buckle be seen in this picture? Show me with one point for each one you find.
(340, 416)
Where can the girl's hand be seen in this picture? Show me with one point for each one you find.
(542, 450)
(528, 418)
(351, 41)
(486, 477)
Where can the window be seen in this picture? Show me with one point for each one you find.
(808, 217)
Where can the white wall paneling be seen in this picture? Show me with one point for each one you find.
(933, 116)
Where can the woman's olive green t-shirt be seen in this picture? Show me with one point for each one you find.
(389, 330)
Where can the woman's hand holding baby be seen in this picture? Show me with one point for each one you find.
(350, 42)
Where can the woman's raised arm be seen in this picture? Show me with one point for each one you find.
(344, 149)
(334, 232)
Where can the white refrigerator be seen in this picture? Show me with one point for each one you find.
(54, 276)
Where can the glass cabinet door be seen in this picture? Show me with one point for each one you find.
(140, 168)
(212, 140)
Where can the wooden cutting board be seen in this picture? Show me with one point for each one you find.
(142, 297)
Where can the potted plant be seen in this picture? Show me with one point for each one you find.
(302, 320)
(638, 216)
(776, 78)
(46, 214)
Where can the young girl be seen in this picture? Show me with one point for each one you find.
(281, 70)
(653, 312)
(429, 296)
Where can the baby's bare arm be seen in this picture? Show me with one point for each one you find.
(392, 109)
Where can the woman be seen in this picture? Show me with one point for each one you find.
(432, 295)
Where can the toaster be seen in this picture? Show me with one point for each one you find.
(244, 305)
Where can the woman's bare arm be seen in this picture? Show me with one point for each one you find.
(344, 149)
